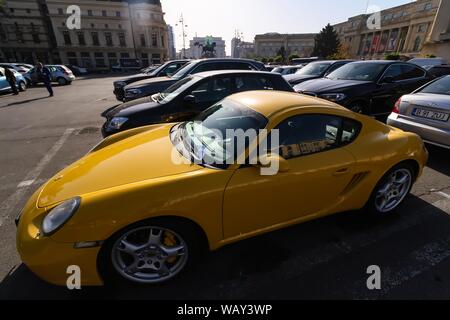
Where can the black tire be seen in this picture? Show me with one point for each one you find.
(359, 107)
(372, 206)
(187, 231)
(22, 86)
(62, 81)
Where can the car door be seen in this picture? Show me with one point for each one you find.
(320, 169)
(387, 93)
(4, 84)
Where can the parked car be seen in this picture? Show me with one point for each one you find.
(269, 67)
(188, 97)
(148, 87)
(285, 70)
(78, 71)
(315, 70)
(21, 68)
(438, 71)
(21, 83)
(166, 69)
(426, 112)
(59, 73)
(428, 62)
(304, 61)
(144, 204)
(127, 64)
(369, 87)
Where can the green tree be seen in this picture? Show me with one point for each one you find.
(270, 60)
(264, 60)
(326, 42)
(392, 56)
(281, 53)
(279, 59)
(293, 56)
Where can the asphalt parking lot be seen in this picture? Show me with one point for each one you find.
(322, 259)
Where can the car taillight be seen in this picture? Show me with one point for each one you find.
(397, 106)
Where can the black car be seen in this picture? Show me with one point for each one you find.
(369, 87)
(148, 87)
(188, 97)
(315, 70)
(166, 69)
(439, 71)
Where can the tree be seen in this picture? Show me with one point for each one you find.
(392, 56)
(343, 52)
(264, 60)
(270, 60)
(282, 53)
(326, 42)
(278, 59)
(293, 56)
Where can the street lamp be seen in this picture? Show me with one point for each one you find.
(184, 34)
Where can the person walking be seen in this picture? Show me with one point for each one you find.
(45, 76)
(11, 78)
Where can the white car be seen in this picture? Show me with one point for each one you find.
(285, 70)
(19, 67)
(428, 63)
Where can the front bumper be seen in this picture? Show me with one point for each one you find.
(49, 259)
(429, 134)
(119, 93)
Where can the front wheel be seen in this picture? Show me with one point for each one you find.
(22, 86)
(149, 253)
(392, 190)
(62, 81)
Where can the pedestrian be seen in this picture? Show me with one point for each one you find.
(11, 78)
(45, 76)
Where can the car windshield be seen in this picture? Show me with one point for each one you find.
(314, 69)
(360, 71)
(211, 139)
(441, 86)
(180, 86)
(154, 72)
(278, 70)
(184, 70)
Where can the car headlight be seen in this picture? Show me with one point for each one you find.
(133, 92)
(120, 84)
(116, 123)
(59, 215)
(335, 97)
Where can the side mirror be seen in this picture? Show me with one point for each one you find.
(388, 80)
(273, 162)
(189, 99)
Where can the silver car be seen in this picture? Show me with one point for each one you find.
(59, 73)
(426, 112)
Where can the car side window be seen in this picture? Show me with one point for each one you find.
(335, 67)
(251, 82)
(240, 66)
(395, 71)
(171, 69)
(212, 90)
(206, 67)
(308, 134)
(411, 72)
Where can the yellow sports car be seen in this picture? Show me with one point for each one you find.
(144, 203)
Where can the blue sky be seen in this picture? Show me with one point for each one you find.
(222, 17)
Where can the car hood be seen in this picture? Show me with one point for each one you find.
(149, 82)
(139, 76)
(133, 106)
(328, 85)
(430, 100)
(140, 157)
(299, 77)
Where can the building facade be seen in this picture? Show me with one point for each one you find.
(269, 44)
(405, 30)
(197, 43)
(172, 48)
(110, 30)
(26, 33)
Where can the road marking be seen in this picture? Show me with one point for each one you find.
(11, 202)
(102, 99)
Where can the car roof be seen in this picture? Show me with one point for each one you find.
(219, 72)
(270, 102)
(227, 60)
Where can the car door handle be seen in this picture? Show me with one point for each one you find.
(341, 172)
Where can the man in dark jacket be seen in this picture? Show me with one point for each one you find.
(45, 76)
(11, 78)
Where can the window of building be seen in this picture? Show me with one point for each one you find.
(162, 41)
(72, 58)
(422, 28)
(428, 6)
(11, 10)
(145, 59)
(122, 40)
(119, 26)
(118, 14)
(106, 26)
(28, 11)
(85, 55)
(156, 58)
(67, 39)
(92, 25)
(60, 11)
(95, 39)
(81, 39)
(142, 39)
(108, 37)
(124, 55)
(3, 35)
(90, 13)
(104, 13)
(154, 40)
(36, 38)
(99, 59)
(417, 44)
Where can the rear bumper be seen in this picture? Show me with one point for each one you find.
(429, 134)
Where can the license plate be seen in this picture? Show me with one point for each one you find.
(433, 115)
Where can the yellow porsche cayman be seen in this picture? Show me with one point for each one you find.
(144, 203)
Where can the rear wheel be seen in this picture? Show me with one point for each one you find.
(392, 190)
(149, 252)
(22, 86)
(62, 81)
(359, 107)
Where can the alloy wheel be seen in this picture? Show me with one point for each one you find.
(149, 254)
(392, 192)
